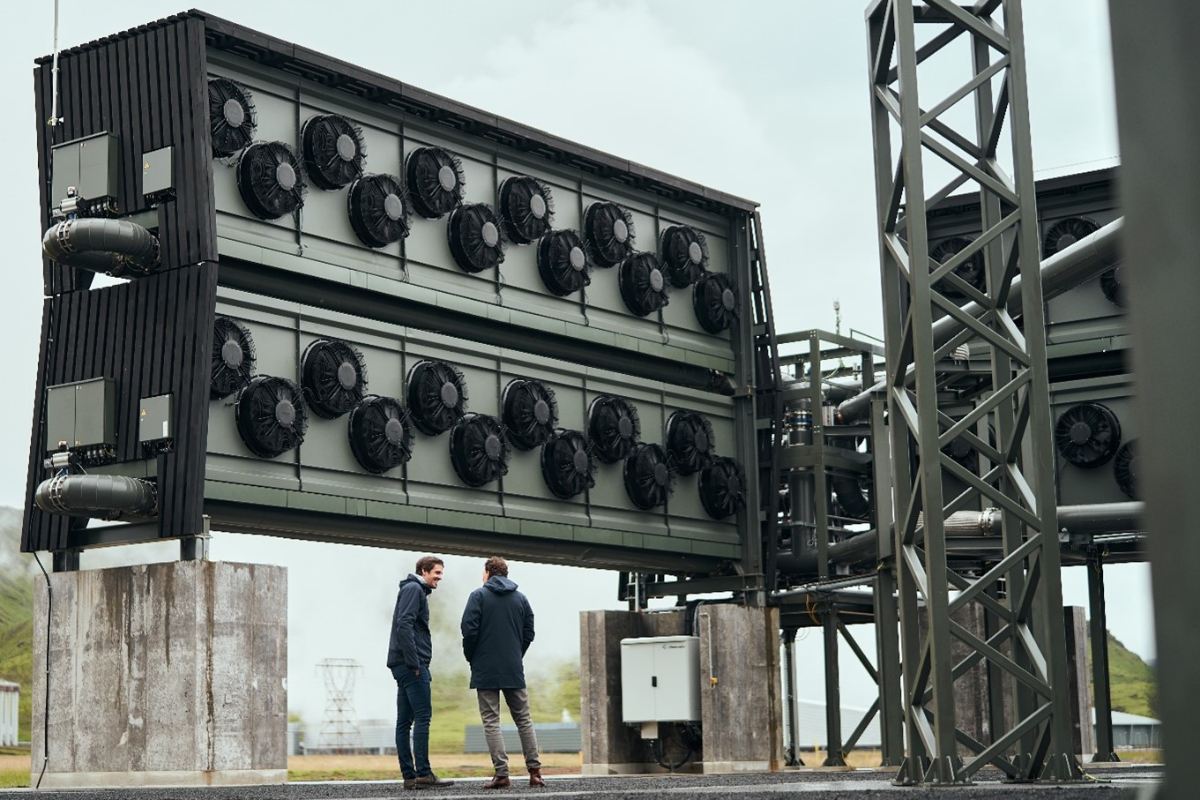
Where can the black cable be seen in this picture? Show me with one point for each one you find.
(46, 702)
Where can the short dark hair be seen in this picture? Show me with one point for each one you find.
(427, 563)
(496, 566)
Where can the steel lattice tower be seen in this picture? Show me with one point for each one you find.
(1022, 592)
(339, 731)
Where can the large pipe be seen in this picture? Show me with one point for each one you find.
(109, 246)
(1062, 272)
(111, 497)
(1094, 519)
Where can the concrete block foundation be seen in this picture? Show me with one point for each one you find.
(161, 675)
(741, 706)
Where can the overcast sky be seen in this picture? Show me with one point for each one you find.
(768, 102)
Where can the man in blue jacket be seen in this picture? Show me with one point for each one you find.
(409, 654)
(497, 629)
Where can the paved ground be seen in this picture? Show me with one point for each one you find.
(1112, 782)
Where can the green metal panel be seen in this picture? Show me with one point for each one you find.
(60, 416)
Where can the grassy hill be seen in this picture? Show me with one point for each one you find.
(16, 613)
(1132, 681)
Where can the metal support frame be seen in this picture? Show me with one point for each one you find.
(768, 397)
(1027, 646)
(1098, 633)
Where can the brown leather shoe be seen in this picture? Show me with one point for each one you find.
(535, 777)
(429, 781)
(498, 782)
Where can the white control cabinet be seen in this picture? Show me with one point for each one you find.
(660, 679)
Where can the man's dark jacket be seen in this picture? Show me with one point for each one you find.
(411, 646)
(497, 629)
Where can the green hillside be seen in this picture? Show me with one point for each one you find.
(16, 614)
(1132, 680)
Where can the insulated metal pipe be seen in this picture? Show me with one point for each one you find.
(1062, 272)
(110, 497)
(109, 246)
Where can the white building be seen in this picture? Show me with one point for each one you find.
(10, 701)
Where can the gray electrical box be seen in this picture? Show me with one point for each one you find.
(157, 170)
(81, 414)
(154, 419)
(91, 165)
(660, 679)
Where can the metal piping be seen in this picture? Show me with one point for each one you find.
(1060, 273)
(111, 497)
(110, 246)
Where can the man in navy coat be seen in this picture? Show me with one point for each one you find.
(409, 653)
(497, 629)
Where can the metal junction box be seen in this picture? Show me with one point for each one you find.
(90, 165)
(154, 419)
(660, 679)
(81, 414)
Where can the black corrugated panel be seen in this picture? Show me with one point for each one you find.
(149, 87)
(152, 336)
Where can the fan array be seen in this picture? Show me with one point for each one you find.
(1088, 435)
(272, 417)
(273, 180)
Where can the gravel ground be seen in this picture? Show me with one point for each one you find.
(858, 785)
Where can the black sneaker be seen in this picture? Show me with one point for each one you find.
(428, 782)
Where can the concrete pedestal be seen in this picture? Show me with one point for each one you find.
(162, 675)
(740, 691)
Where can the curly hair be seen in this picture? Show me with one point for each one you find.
(496, 566)
(427, 563)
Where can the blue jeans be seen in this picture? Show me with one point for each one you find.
(414, 710)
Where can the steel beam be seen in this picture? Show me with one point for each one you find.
(1021, 479)
(1098, 633)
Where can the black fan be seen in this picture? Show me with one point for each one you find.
(722, 487)
(563, 262)
(231, 117)
(689, 441)
(613, 428)
(437, 396)
(334, 377)
(271, 179)
(435, 180)
(970, 271)
(684, 253)
(380, 436)
(1087, 435)
(530, 412)
(608, 229)
(474, 236)
(1110, 284)
(526, 207)
(333, 150)
(649, 479)
(642, 283)
(715, 302)
(567, 466)
(233, 357)
(1065, 233)
(270, 416)
(477, 449)
(379, 210)
(1125, 468)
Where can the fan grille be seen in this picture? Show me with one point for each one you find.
(271, 180)
(1125, 469)
(563, 262)
(613, 428)
(435, 179)
(232, 119)
(270, 415)
(610, 234)
(334, 377)
(530, 412)
(684, 252)
(715, 302)
(379, 433)
(478, 451)
(642, 283)
(690, 441)
(649, 479)
(233, 357)
(1087, 435)
(527, 208)
(567, 466)
(474, 236)
(379, 210)
(1065, 233)
(437, 396)
(333, 150)
(970, 271)
(722, 487)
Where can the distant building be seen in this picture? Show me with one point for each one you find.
(1131, 732)
(810, 716)
(10, 702)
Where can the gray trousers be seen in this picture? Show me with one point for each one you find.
(518, 706)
